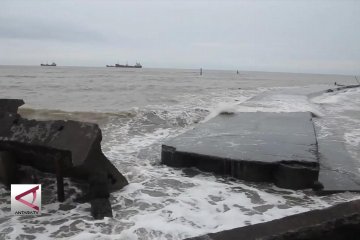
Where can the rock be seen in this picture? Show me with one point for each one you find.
(341, 221)
(41, 143)
(227, 113)
(272, 147)
(100, 208)
(10, 105)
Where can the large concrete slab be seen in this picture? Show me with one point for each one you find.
(341, 221)
(339, 172)
(275, 147)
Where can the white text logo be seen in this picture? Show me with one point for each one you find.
(26, 199)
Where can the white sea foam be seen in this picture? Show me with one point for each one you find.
(344, 96)
(280, 103)
(342, 118)
(353, 138)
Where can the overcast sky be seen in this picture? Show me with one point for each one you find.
(289, 36)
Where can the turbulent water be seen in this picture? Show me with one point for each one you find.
(137, 110)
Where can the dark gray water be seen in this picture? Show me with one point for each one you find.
(137, 110)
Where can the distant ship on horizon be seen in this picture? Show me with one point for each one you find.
(137, 65)
(48, 65)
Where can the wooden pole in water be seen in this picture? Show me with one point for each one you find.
(59, 180)
(200, 71)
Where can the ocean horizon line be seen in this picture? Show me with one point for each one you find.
(198, 69)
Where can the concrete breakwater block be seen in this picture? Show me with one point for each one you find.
(10, 105)
(41, 144)
(273, 147)
(341, 221)
(342, 88)
(7, 168)
(100, 208)
(339, 172)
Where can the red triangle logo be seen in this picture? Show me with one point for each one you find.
(33, 191)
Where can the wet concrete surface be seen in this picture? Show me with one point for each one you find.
(274, 147)
(339, 172)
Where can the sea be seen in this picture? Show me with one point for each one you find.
(137, 110)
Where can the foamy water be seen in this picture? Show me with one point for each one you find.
(137, 111)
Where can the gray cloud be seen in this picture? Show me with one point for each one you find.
(38, 30)
(305, 36)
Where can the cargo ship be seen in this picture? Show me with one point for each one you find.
(48, 65)
(137, 65)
